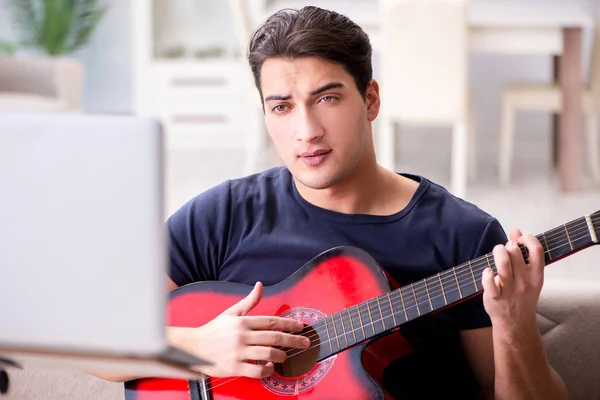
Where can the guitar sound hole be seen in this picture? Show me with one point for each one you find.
(300, 361)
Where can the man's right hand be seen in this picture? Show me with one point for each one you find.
(230, 340)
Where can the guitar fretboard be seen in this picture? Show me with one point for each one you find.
(378, 315)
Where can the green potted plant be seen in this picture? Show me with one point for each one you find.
(55, 27)
(47, 33)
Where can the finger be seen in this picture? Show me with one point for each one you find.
(503, 267)
(264, 353)
(275, 338)
(537, 260)
(489, 284)
(245, 305)
(517, 262)
(272, 323)
(515, 235)
(256, 370)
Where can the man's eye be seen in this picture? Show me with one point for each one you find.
(279, 108)
(328, 99)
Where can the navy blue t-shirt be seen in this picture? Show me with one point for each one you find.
(259, 228)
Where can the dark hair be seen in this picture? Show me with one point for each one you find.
(313, 32)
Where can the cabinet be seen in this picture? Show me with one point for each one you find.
(190, 71)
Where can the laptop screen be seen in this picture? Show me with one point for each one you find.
(82, 246)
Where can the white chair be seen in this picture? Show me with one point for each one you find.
(549, 98)
(424, 81)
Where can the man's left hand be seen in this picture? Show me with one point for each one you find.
(510, 298)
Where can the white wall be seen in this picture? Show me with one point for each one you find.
(108, 84)
(108, 62)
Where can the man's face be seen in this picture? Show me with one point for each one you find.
(317, 119)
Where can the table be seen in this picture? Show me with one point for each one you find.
(543, 27)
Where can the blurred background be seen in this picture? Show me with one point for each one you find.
(494, 99)
(503, 71)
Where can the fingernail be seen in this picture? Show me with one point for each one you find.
(306, 342)
(509, 243)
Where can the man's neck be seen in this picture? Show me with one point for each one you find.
(373, 191)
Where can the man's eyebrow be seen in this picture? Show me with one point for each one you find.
(277, 97)
(333, 85)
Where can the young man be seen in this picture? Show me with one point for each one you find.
(313, 72)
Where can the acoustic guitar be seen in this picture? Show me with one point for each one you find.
(352, 315)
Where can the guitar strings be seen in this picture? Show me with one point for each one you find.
(220, 380)
(408, 302)
(461, 272)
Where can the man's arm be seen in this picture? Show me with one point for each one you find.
(509, 360)
(504, 368)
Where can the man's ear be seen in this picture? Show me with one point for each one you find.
(372, 100)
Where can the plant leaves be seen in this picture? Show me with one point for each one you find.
(56, 26)
(7, 48)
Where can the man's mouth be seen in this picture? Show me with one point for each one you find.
(314, 158)
(314, 153)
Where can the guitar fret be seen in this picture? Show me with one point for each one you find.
(362, 325)
(458, 284)
(547, 247)
(370, 316)
(444, 289)
(568, 237)
(490, 264)
(346, 325)
(376, 316)
(337, 338)
(352, 326)
(368, 321)
(473, 274)
(328, 335)
(415, 296)
(344, 329)
(392, 308)
(380, 313)
(403, 305)
(428, 295)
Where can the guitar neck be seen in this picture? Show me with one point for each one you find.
(381, 314)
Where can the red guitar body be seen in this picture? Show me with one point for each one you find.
(333, 281)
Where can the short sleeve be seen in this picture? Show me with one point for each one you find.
(197, 235)
(471, 313)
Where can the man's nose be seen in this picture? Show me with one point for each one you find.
(308, 128)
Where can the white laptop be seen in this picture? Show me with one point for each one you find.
(82, 244)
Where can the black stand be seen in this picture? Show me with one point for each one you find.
(4, 381)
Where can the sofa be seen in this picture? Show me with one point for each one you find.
(36, 83)
(568, 318)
